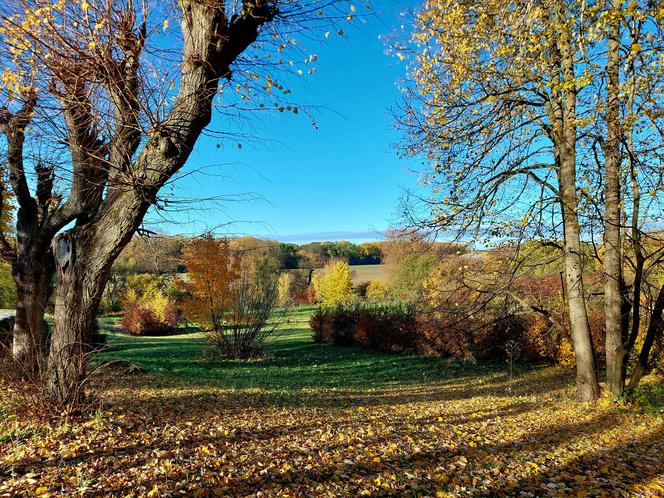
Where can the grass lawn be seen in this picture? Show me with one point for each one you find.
(315, 420)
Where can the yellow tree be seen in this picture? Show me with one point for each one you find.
(493, 106)
(334, 285)
(629, 132)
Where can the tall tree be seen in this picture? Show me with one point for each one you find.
(128, 131)
(613, 271)
(632, 152)
(494, 105)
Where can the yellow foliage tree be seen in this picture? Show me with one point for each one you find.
(334, 285)
(211, 271)
(285, 289)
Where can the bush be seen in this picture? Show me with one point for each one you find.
(444, 335)
(140, 319)
(252, 317)
(335, 325)
(147, 307)
(377, 290)
(649, 396)
(410, 274)
(306, 297)
(387, 328)
(405, 329)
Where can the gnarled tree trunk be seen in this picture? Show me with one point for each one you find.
(84, 256)
(32, 271)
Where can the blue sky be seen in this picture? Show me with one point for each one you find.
(298, 183)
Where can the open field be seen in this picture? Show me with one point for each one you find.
(365, 273)
(315, 420)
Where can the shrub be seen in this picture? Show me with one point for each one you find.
(378, 290)
(404, 328)
(335, 325)
(147, 307)
(649, 396)
(140, 319)
(444, 335)
(334, 285)
(252, 317)
(410, 273)
(388, 328)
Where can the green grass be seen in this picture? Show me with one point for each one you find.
(292, 362)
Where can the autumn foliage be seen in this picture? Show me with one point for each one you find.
(334, 285)
(232, 298)
(211, 269)
(147, 306)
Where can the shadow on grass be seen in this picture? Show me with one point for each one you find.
(293, 363)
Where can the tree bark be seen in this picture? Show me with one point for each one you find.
(32, 272)
(32, 267)
(655, 328)
(586, 375)
(84, 254)
(613, 272)
(84, 257)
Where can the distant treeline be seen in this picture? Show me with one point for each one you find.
(162, 254)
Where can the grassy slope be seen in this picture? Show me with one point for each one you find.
(315, 420)
(292, 362)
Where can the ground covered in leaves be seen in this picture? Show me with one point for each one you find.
(315, 420)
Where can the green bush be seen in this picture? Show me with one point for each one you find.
(410, 274)
(649, 397)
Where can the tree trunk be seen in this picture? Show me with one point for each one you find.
(586, 375)
(84, 257)
(655, 328)
(616, 354)
(32, 270)
(30, 341)
(85, 253)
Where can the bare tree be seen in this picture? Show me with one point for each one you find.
(129, 132)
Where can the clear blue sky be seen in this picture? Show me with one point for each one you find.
(298, 183)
